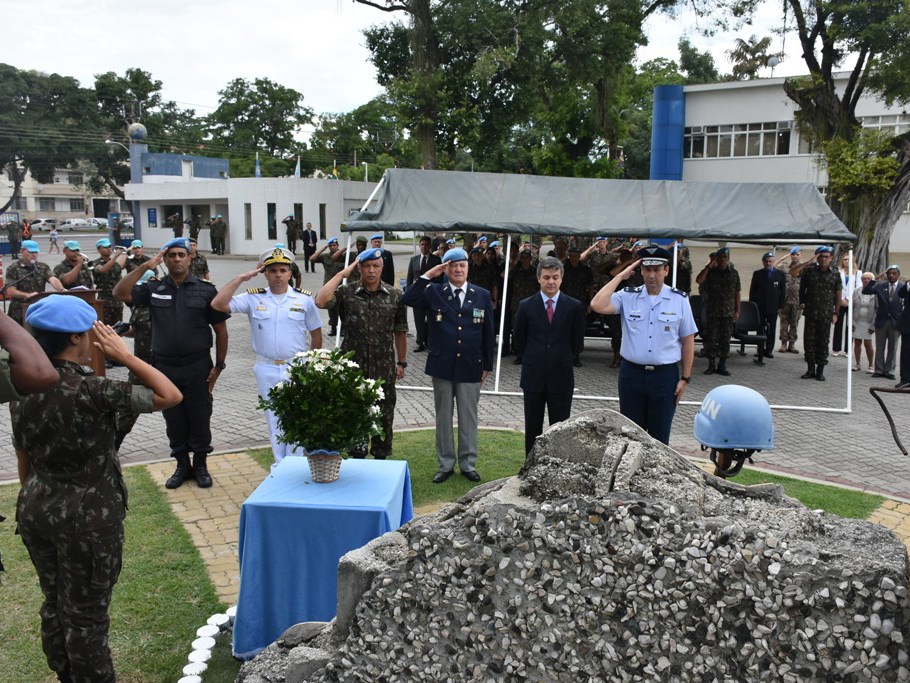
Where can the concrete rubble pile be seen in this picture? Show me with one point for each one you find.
(612, 558)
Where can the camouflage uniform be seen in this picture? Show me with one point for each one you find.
(195, 225)
(84, 279)
(600, 265)
(14, 235)
(371, 320)
(484, 275)
(331, 268)
(722, 287)
(790, 311)
(105, 283)
(141, 325)
(522, 284)
(34, 282)
(817, 292)
(218, 231)
(199, 266)
(70, 512)
(576, 282)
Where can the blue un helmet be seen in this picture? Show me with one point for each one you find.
(734, 421)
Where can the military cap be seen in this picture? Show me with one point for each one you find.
(213, 218)
(137, 243)
(72, 245)
(279, 245)
(219, 215)
(371, 254)
(146, 276)
(193, 240)
(450, 241)
(795, 250)
(824, 250)
(638, 244)
(177, 243)
(723, 251)
(893, 266)
(482, 238)
(600, 239)
(477, 250)
(31, 245)
(361, 238)
(277, 256)
(654, 255)
(60, 313)
(334, 240)
(377, 236)
(494, 244)
(103, 242)
(454, 255)
(765, 257)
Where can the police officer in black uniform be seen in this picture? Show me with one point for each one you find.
(182, 324)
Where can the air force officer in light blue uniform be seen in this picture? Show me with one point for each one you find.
(658, 335)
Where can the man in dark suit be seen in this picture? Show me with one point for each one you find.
(309, 239)
(460, 358)
(417, 266)
(904, 293)
(549, 334)
(768, 291)
(887, 320)
(388, 264)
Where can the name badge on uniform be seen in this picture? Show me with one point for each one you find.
(477, 313)
(167, 297)
(261, 308)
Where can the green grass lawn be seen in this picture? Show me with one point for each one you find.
(164, 593)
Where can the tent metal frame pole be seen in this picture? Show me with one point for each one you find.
(503, 301)
(675, 262)
(376, 189)
(344, 281)
(849, 324)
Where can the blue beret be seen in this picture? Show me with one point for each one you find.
(770, 254)
(371, 254)
(213, 217)
(893, 266)
(723, 251)
(824, 250)
(601, 239)
(334, 240)
(638, 243)
(103, 242)
(795, 250)
(450, 241)
(477, 250)
(30, 245)
(494, 243)
(377, 236)
(279, 245)
(72, 245)
(178, 242)
(219, 215)
(61, 313)
(136, 243)
(454, 255)
(482, 238)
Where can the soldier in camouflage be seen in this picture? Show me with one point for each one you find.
(73, 500)
(483, 273)
(819, 293)
(360, 245)
(791, 310)
(74, 270)
(331, 267)
(522, 284)
(199, 265)
(26, 277)
(722, 293)
(106, 271)
(375, 326)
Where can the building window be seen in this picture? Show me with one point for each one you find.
(75, 177)
(894, 124)
(737, 140)
(19, 204)
(77, 204)
(47, 204)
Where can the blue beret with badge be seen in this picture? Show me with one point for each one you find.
(600, 239)
(824, 250)
(103, 242)
(795, 250)
(377, 236)
(177, 243)
(494, 244)
(450, 241)
(61, 313)
(371, 254)
(454, 255)
(31, 245)
(334, 240)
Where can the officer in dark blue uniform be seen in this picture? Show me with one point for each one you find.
(461, 337)
(182, 324)
(658, 333)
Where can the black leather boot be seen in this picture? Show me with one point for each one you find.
(820, 372)
(711, 367)
(181, 474)
(722, 367)
(810, 373)
(200, 471)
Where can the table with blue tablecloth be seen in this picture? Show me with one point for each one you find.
(292, 534)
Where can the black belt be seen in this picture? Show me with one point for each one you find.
(649, 367)
(179, 361)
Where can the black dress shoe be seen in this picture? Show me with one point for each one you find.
(577, 363)
(420, 348)
(517, 360)
(440, 477)
(890, 376)
(877, 374)
(769, 355)
(471, 475)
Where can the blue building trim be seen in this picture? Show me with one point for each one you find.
(668, 121)
(157, 163)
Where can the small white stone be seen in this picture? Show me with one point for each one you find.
(774, 568)
(206, 643)
(219, 620)
(190, 679)
(200, 655)
(231, 612)
(195, 668)
(207, 631)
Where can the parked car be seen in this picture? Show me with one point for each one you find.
(43, 224)
(98, 223)
(72, 224)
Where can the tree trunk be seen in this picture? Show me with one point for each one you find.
(425, 63)
(17, 175)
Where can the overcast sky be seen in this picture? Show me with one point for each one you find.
(195, 47)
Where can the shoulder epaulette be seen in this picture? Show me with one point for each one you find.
(302, 291)
(256, 290)
(633, 289)
(680, 292)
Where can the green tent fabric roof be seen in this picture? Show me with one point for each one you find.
(524, 204)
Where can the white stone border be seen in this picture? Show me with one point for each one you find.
(202, 646)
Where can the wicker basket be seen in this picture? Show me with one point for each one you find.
(324, 466)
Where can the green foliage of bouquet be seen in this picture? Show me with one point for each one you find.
(326, 402)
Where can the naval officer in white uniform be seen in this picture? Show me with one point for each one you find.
(280, 318)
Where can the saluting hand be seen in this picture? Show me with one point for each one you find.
(249, 275)
(436, 271)
(351, 266)
(626, 272)
(109, 342)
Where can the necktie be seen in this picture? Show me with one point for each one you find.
(423, 263)
(891, 291)
(549, 310)
(458, 298)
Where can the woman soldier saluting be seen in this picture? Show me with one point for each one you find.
(73, 500)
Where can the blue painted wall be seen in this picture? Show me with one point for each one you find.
(155, 163)
(668, 122)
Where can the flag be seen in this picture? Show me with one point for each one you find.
(297, 168)
(258, 170)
